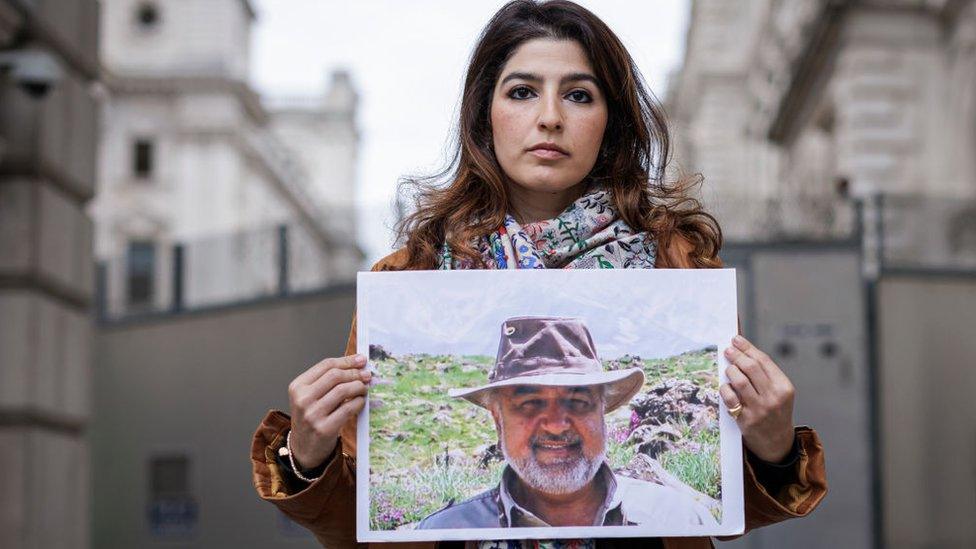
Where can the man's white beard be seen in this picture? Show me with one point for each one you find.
(558, 478)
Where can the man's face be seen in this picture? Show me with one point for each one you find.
(553, 437)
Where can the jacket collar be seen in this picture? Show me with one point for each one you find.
(512, 514)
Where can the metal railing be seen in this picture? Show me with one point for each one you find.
(927, 233)
(223, 270)
(814, 217)
(897, 232)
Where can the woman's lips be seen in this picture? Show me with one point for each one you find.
(548, 154)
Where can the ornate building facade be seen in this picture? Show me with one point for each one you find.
(788, 108)
(198, 173)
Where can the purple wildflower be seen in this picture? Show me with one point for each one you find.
(619, 434)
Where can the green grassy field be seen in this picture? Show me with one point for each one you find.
(425, 446)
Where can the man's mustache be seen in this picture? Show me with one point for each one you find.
(567, 439)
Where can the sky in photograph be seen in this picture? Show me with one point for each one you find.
(407, 60)
(652, 313)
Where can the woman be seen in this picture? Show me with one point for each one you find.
(559, 164)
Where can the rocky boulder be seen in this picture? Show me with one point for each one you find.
(653, 440)
(488, 454)
(377, 352)
(673, 401)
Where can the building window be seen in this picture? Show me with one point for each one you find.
(140, 267)
(169, 476)
(147, 15)
(172, 508)
(142, 158)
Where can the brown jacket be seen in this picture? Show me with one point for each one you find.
(327, 507)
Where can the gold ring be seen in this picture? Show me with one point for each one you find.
(734, 412)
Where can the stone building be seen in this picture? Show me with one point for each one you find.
(191, 157)
(48, 134)
(322, 134)
(789, 107)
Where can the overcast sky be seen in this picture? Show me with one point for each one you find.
(407, 60)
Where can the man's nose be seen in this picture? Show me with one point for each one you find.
(555, 419)
(550, 113)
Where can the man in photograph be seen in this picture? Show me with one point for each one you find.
(548, 394)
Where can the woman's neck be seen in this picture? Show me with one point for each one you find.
(530, 206)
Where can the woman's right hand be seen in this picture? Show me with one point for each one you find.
(322, 399)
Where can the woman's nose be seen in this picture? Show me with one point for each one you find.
(550, 115)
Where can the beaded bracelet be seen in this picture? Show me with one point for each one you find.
(291, 461)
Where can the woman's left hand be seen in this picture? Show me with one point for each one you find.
(766, 396)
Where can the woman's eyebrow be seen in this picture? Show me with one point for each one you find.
(572, 77)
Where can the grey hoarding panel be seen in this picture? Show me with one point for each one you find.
(806, 309)
(927, 338)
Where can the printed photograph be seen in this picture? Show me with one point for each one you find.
(515, 416)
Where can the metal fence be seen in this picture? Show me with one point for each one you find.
(174, 277)
(896, 232)
(752, 219)
(927, 233)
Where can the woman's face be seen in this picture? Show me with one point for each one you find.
(547, 116)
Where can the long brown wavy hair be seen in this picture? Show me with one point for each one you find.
(469, 198)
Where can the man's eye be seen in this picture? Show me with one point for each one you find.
(579, 96)
(578, 405)
(530, 405)
(520, 92)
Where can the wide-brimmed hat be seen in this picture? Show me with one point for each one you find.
(537, 350)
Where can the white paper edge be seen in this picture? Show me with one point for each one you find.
(733, 503)
(362, 426)
(733, 497)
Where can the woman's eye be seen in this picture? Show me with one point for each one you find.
(579, 96)
(520, 92)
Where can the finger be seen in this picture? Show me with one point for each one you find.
(333, 378)
(777, 377)
(315, 372)
(769, 366)
(336, 397)
(743, 388)
(343, 413)
(728, 396)
(750, 367)
(751, 350)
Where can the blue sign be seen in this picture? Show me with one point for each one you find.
(173, 517)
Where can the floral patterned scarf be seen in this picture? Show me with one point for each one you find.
(587, 235)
